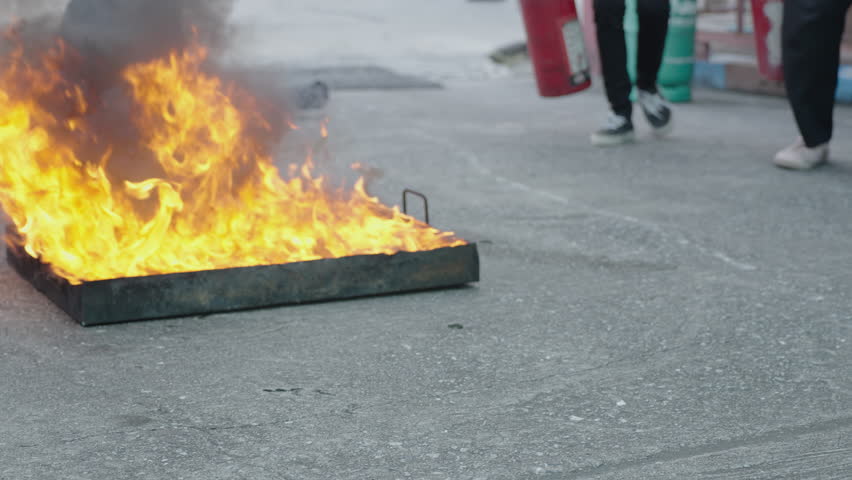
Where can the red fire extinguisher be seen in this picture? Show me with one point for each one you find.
(556, 46)
(768, 18)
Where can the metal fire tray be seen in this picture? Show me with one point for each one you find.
(197, 293)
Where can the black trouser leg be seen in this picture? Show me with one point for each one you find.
(812, 33)
(653, 27)
(609, 21)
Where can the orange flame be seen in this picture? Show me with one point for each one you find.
(217, 201)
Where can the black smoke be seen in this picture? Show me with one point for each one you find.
(112, 34)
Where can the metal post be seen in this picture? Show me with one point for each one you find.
(740, 14)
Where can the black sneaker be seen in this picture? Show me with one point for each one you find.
(617, 130)
(657, 112)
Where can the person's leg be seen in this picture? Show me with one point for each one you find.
(653, 27)
(811, 54)
(609, 20)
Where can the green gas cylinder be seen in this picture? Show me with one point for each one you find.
(675, 77)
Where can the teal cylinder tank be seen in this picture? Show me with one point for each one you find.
(675, 76)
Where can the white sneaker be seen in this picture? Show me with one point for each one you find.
(657, 112)
(617, 130)
(799, 157)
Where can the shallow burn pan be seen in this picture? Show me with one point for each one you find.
(196, 293)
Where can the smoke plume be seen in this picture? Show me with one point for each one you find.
(120, 32)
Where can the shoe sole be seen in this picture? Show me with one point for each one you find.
(663, 131)
(611, 141)
(798, 166)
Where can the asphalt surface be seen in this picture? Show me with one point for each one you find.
(673, 309)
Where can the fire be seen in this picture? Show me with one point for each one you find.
(217, 200)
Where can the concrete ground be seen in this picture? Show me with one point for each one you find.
(674, 309)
